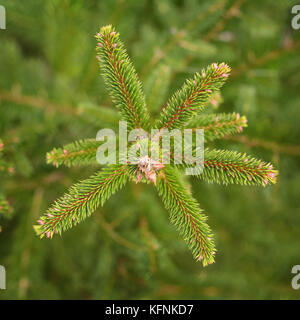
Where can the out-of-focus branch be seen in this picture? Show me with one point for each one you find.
(230, 13)
(37, 102)
(149, 242)
(29, 184)
(43, 103)
(89, 112)
(115, 236)
(270, 145)
(265, 58)
(233, 11)
(179, 35)
(24, 280)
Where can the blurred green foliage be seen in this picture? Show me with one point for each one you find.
(50, 90)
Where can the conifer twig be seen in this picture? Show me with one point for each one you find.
(81, 152)
(216, 126)
(186, 215)
(191, 98)
(82, 200)
(121, 78)
(227, 167)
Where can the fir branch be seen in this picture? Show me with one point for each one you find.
(121, 78)
(82, 200)
(81, 152)
(186, 215)
(191, 98)
(229, 167)
(219, 166)
(216, 126)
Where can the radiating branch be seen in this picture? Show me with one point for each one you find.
(186, 215)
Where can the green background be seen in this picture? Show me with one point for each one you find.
(50, 90)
